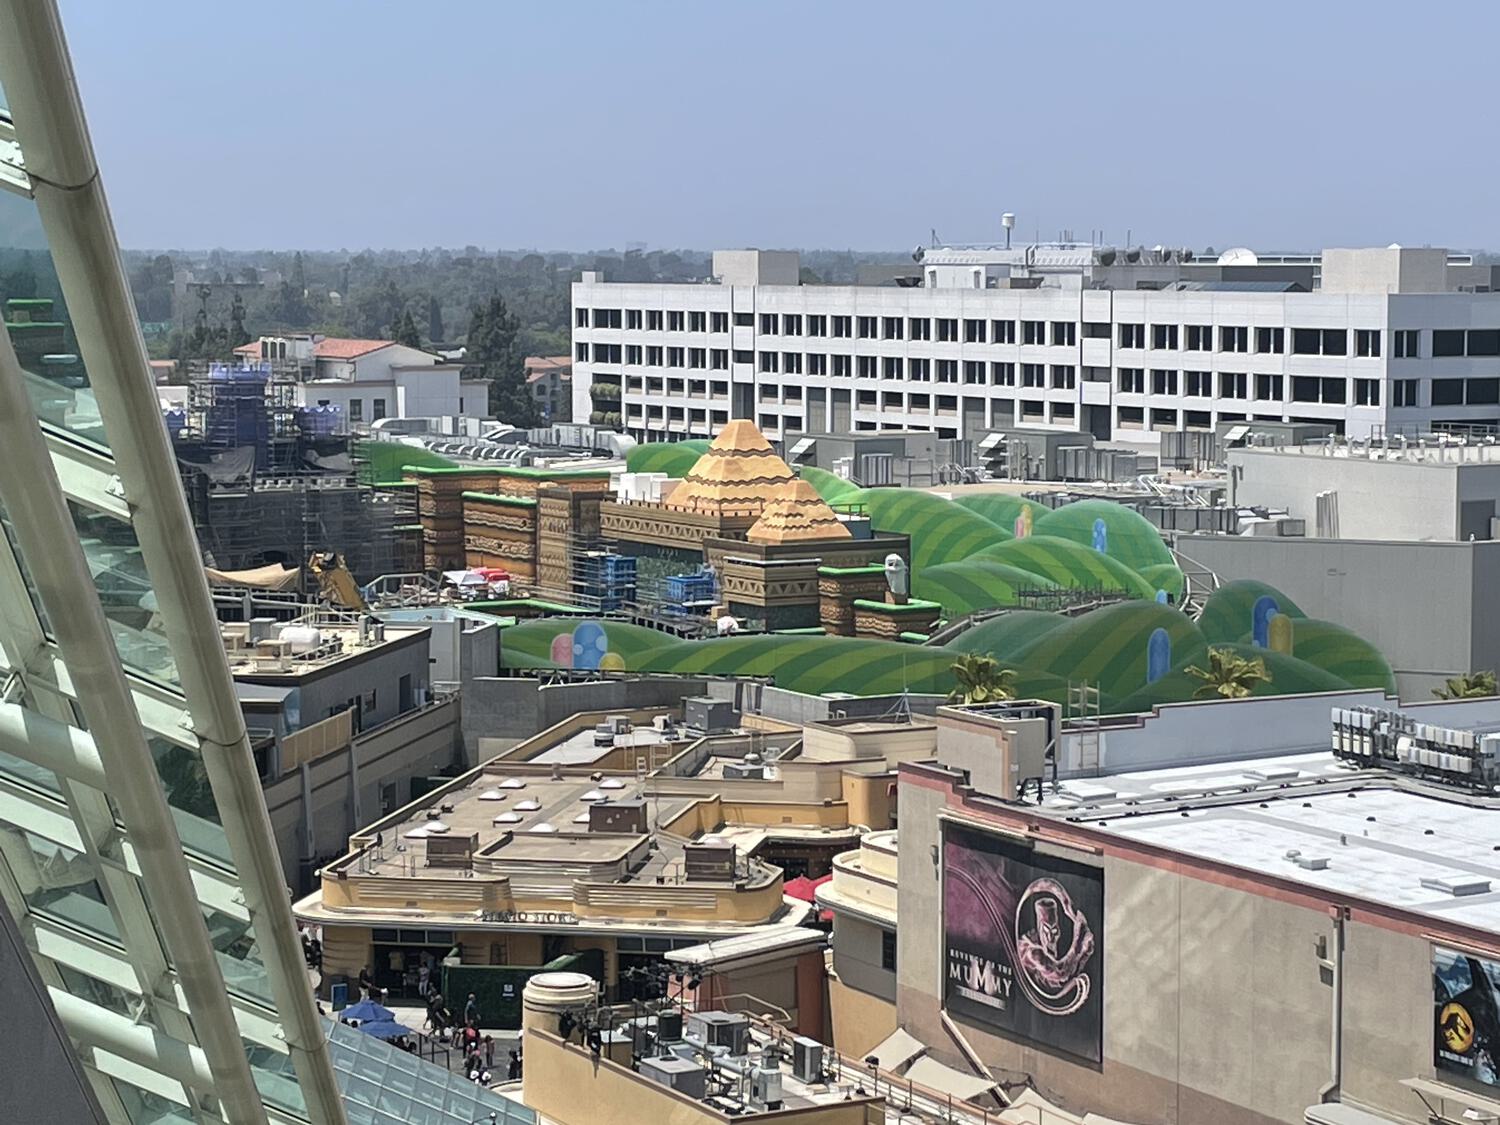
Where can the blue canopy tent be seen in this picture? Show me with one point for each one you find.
(385, 1029)
(366, 1010)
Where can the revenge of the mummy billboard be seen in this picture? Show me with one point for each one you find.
(1023, 941)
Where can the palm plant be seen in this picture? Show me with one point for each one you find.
(1229, 675)
(1470, 685)
(981, 679)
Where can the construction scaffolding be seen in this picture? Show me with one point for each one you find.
(271, 481)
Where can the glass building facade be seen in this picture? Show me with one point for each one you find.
(136, 858)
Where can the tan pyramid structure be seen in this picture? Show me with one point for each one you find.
(797, 514)
(739, 473)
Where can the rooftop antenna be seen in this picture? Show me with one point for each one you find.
(1008, 221)
(935, 241)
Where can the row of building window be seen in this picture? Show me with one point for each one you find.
(1056, 333)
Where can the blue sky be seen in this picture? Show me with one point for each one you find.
(335, 123)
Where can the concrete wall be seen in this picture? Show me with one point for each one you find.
(1215, 1007)
(860, 1021)
(315, 808)
(516, 707)
(856, 957)
(379, 670)
(1385, 270)
(798, 708)
(1186, 734)
(1429, 607)
(1377, 499)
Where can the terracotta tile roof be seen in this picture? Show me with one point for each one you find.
(347, 349)
(797, 514)
(540, 366)
(252, 348)
(739, 471)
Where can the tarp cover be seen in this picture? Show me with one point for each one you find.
(935, 1076)
(898, 1049)
(273, 577)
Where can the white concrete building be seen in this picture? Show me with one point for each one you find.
(1119, 344)
(369, 380)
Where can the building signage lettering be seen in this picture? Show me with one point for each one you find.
(530, 917)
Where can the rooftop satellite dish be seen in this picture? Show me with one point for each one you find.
(1238, 256)
(918, 253)
(1133, 254)
(1107, 256)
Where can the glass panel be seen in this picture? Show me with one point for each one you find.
(193, 809)
(58, 881)
(146, 1108)
(275, 1077)
(114, 559)
(102, 994)
(41, 331)
(239, 956)
(28, 774)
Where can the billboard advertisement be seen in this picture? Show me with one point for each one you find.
(1022, 936)
(1466, 1016)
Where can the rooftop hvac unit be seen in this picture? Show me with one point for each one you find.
(807, 1059)
(765, 1087)
(680, 1074)
(669, 1027)
(721, 1029)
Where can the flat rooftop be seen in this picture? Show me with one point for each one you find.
(1414, 845)
(581, 749)
(527, 820)
(314, 649)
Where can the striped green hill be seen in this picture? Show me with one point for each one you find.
(812, 664)
(1226, 615)
(973, 584)
(1007, 634)
(1128, 535)
(674, 458)
(529, 643)
(1001, 508)
(1166, 576)
(1108, 646)
(382, 462)
(828, 486)
(1342, 652)
(1068, 564)
(941, 531)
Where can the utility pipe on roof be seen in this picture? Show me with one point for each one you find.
(40, 89)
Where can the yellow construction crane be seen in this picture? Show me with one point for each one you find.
(336, 583)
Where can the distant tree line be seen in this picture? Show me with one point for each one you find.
(503, 306)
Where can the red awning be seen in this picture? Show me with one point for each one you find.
(803, 888)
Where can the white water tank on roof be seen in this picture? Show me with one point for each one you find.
(301, 638)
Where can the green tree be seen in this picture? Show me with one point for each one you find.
(981, 679)
(492, 346)
(1229, 675)
(405, 331)
(299, 274)
(1470, 685)
(434, 320)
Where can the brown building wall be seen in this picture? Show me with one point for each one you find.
(859, 1021)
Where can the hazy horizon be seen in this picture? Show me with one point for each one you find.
(840, 125)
